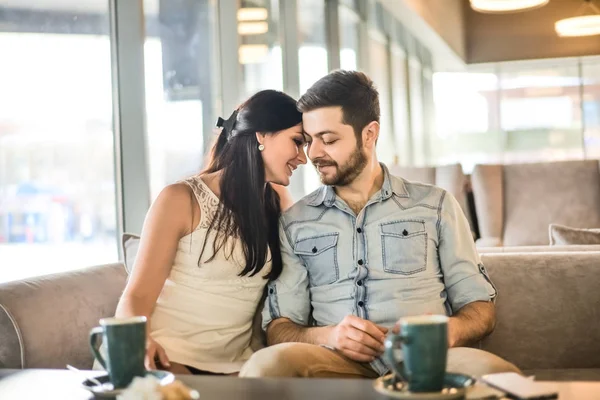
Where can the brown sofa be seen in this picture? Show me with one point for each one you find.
(516, 203)
(548, 314)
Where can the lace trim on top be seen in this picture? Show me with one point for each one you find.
(207, 200)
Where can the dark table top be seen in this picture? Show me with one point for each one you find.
(63, 384)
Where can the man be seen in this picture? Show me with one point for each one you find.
(365, 250)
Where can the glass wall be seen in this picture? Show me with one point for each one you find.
(180, 75)
(468, 118)
(349, 38)
(260, 50)
(380, 73)
(64, 181)
(57, 178)
(312, 57)
(312, 53)
(417, 117)
(542, 110)
(400, 106)
(591, 105)
(429, 124)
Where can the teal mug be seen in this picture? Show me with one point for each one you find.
(424, 343)
(125, 342)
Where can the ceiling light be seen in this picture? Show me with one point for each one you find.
(586, 24)
(252, 53)
(506, 6)
(252, 28)
(252, 14)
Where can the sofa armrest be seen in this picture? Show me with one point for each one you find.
(488, 242)
(546, 309)
(47, 319)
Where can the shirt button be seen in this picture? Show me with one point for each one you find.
(314, 250)
(405, 232)
(359, 230)
(360, 303)
(359, 283)
(360, 262)
(271, 291)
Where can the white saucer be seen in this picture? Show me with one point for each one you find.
(108, 391)
(399, 390)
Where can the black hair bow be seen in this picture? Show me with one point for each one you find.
(228, 125)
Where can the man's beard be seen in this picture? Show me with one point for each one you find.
(345, 174)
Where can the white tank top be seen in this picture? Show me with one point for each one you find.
(203, 316)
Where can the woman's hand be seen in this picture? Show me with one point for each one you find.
(154, 351)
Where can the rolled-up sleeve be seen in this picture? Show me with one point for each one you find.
(288, 296)
(465, 277)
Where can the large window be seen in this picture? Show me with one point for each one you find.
(591, 106)
(180, 87)
(349, 38)
(312, 58)
(57, 180)
(260, 50)
(400, 105)
(312, 54)
(541, 110)
(467, 108)
(380, 73)
(417, 117)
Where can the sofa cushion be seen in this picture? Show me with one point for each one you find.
(54, 314)
(536, 195)
(563, 235)
(131, 245)
(538, 249)
(547, 309)
(416, 174)
(488, 193)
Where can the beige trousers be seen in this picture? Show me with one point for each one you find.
(311, 361)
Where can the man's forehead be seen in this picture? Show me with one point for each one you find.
(321, 121)
(324, 112)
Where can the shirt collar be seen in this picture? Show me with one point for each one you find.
(391, 185)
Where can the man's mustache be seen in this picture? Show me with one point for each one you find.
(324, 163)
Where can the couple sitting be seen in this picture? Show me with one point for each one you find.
(340, 267)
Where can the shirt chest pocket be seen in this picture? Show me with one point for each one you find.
(319, 254)
(404, 247)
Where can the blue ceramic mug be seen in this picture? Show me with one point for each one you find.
(424, 343)
(125, 340)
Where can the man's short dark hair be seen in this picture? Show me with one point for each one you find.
(354, 91)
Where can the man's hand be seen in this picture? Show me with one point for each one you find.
(357, 338)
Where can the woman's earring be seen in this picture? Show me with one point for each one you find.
(261, 147)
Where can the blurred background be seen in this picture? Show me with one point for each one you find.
(104, 102)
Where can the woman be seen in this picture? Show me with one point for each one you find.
(210, 243)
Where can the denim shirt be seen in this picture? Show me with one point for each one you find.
(408, 252)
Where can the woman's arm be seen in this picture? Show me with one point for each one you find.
(167, 221)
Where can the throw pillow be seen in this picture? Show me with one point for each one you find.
(131, 244)
(564, 236)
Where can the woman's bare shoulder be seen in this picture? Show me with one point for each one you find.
(176, 203)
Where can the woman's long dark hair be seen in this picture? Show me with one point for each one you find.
(249, 209)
